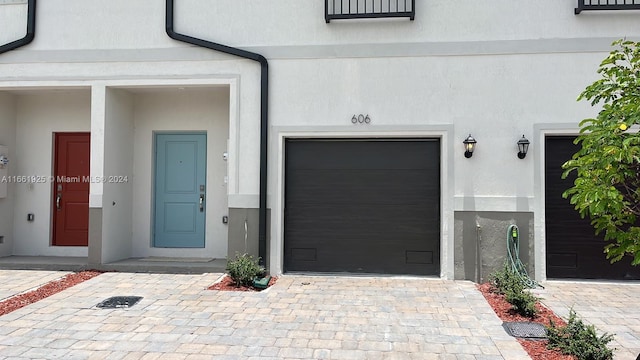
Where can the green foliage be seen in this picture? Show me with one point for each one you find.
(579, 339)
(505, 280)
(607, 187)
(243, 269)
(508, 283)
(523, 302)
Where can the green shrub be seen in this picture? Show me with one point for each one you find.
(505, 280)
(508, 283)
(579, 339)
(243, 269)
(523, 302)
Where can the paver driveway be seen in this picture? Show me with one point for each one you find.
(612, 307)
(301, 317)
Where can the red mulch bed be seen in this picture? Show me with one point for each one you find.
(537, 349)
(21, 300)
(226, 284)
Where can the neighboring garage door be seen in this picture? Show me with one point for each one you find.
(362, 206)
(573, 251)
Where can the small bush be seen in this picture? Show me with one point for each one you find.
(243, 269)
(505, 280)
(523, 302)
(579, 340)
(508, 283)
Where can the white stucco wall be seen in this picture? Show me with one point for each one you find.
(39, 115)
(13, 18)
(496, 69)
(123, 24)
(458, 62)
(175, 110)
(117, 178)
(301, 23)
(495, 98)
(7, 138)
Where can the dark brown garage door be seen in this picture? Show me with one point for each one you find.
(362, 206)
(573, 251)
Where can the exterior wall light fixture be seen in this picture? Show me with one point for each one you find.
(523, 147)
(469, 146)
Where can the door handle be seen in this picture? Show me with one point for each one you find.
(58, 197)
(201, 202)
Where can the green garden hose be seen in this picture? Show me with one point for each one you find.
(513, 250)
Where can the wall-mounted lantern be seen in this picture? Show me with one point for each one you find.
(523, 147)
(469, 146)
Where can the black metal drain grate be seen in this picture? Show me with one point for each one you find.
(527, 330)
(118, 302)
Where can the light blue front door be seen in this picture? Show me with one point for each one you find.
(180, 196)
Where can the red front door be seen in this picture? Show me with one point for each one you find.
(71, 189)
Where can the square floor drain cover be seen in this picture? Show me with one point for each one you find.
(528, 330)
(117, 302)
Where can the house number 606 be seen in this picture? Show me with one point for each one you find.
(360, 119)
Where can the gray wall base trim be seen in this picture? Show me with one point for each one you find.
(240, 244)
(95, 237)
(491, 230)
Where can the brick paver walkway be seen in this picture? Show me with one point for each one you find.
(301, 317)
(13, 282)
(611, 307)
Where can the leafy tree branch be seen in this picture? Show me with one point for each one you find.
(607, 166)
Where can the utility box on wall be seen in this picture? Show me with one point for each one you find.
(4, 170)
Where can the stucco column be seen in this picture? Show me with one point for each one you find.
(98, 100)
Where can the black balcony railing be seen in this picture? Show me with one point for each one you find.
(607, 5)
(359, 9)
